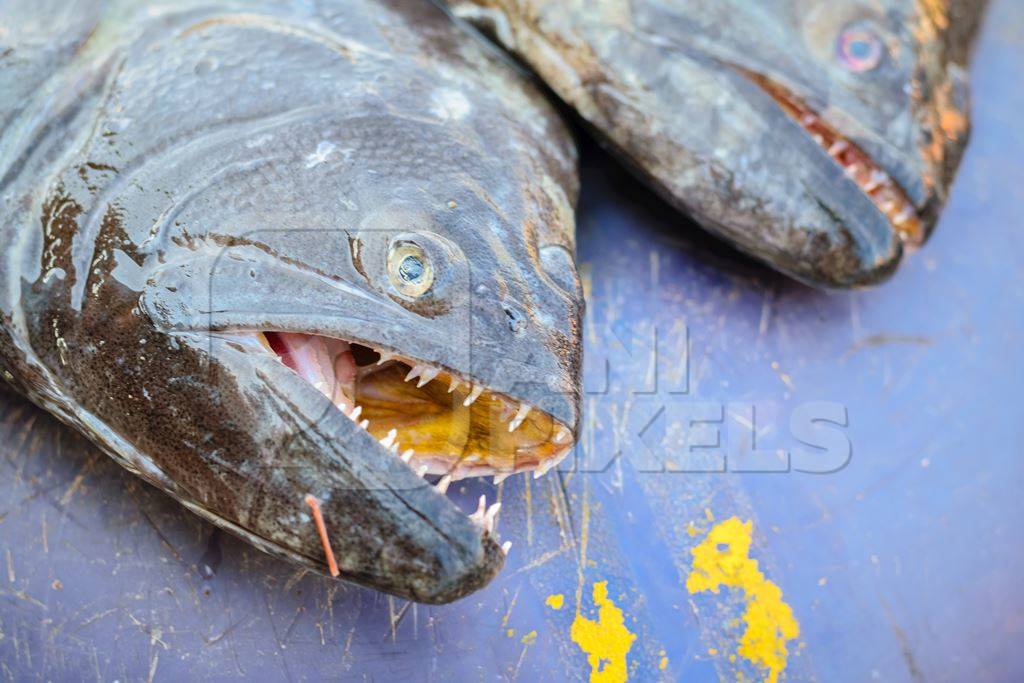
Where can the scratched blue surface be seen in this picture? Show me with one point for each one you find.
(901, 565)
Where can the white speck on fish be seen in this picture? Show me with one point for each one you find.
(323, 150)
(450, 104)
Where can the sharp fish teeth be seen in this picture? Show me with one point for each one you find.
(389, 440)
(474, 394)
(453, 384)
(488, 516)
(498, 478)
(426, 376)
(481, 507)
(442, 486)
(413, 373)
(364, 424)
(384, 358)
(562, 436)
(422, 471)
(905, 214)
(524, 410)
(876, 179)
(407, 456)
(356, 412)
(544, 468)
(838, 147)
(506, 546)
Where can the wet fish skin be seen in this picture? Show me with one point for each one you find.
(175, 174)
(673, 87)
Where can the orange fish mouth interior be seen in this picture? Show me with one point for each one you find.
(887, 196)
(436, 421)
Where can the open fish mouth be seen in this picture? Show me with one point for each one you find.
(435, 420)
(887, 196)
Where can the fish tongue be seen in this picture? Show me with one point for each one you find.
(324, 362)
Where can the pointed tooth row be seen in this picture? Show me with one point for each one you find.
(425, 373)
(485, 516)
(443, 484)
(524, 410)
(563, 436)
(454, 384)
(905, 214)
(428, 375)
(474, 394)
(544, 468)
(481, 508)
(838, 147)
(490, 515)
(390, 442)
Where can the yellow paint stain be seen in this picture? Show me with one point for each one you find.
(663, 662)
(712, 651)
(555, 601)
(511, 633)
(529, 638)
(691, 530)
(707, 513)
(606, 641)
(723, 559)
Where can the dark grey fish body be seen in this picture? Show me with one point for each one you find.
(179, 178)
(820, 137)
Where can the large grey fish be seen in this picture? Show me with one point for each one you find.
(231, 231)
(818, 136)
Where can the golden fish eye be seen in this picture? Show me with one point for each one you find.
(409, 269)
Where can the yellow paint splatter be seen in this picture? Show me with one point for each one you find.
(663, 662)
(529, 638)
(606, 641)
(511, 633)
(555, 601)
(723, 559)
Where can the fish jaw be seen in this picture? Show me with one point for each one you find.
(388, 528)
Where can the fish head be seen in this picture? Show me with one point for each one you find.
(829, 133)
(322, 268)
(420, 294)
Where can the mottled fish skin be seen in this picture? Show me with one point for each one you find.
(677, 89)
(175, 174)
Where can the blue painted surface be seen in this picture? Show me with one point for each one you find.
(901, 566)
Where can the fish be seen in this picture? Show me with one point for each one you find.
(298, 265)
(821, 138)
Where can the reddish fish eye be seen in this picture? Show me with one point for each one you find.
(859, 50)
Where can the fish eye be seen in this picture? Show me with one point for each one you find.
(859, 49)
(409, 269)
